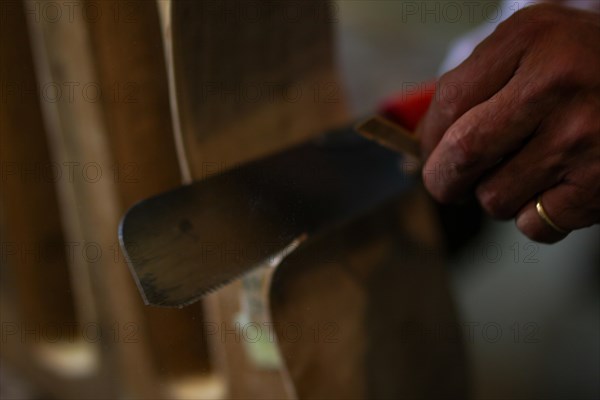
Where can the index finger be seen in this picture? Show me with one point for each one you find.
(489, 68)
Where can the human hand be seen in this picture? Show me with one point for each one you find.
(520, 118)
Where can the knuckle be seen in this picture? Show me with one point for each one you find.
(446, 100)
(572, 140)
(582, 130)
(494, 203)
(534, 92)
(551, 83)
(443, 195)
(462, 143)
(437, 187)
(563, 73)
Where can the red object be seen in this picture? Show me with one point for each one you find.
(410, 106)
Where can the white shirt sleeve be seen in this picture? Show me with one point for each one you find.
(463, 47)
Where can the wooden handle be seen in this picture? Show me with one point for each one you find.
(390, 135)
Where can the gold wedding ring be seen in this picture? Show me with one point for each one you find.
(543, 215)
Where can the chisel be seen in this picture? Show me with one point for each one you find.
(185, 243)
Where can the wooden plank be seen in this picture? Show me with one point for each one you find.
(128, 54)
(244, 84)
(91, 204)
(216, 60)
(365, 311)
(369, 280)
(40, 320)
(33, 242)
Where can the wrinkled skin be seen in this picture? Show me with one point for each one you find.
(521, 117)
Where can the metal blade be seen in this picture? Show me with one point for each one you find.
(182, 244)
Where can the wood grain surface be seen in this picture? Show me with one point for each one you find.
(285, 63)
(376, 283)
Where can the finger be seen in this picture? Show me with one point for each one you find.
(568, 207)
(484, 135)
(538, 166)
(509, 187)
(534, 227)
(490, 66)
